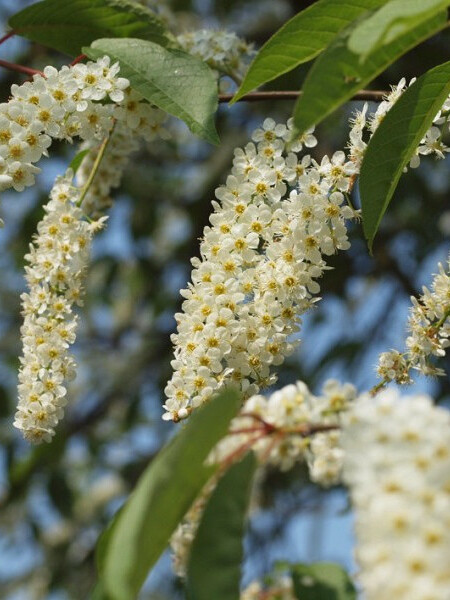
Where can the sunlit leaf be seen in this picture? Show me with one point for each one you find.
(175, 81)
(301, 39)
(390, 22)
(338, 73)
(395, 141)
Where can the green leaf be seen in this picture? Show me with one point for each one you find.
(162, 496)
(395, 141)
(76, 161)
(322, 581)
(337, 74)
(173, 80)
(214, 567)
(68, 26)
(390, 22)
(301, 39)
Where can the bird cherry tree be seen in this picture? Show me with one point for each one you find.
(278, 218)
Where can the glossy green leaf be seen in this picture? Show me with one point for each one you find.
(390, 22)
(76, 161)
(302, 38)
(338, 74)
(161, 498)
(68, 26)
(214, 567)
(175, 81)
(395, 141)
(322, 581)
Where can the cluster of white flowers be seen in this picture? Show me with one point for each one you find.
(291, 425)
(429, 333)
(397, 466)
(430, 144)
(281, 430)
(260, 260)
(58, 104)
(63, 104)
(280, 588)
(57, 260)
(223, 51)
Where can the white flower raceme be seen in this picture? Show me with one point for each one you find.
(397, 466)
(58, 104)
(223, 51)
(364, 126)
(429, 333)
(289, 426)
(281, 430)
(276, 219)
(56, 264)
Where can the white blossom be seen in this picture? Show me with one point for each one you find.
(275, 219)
(397, 466)
(429, 333)
(56, 265)
(223, 51)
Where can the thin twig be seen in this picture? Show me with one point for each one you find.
(374, 95)
(7, 36)
(20, 68)
(78, 59)
(93, 173)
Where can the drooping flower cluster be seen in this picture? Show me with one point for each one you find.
(56, 264)
(363, 126)
(60, 105)
(397, 466)
(291, 425)
(429, 333)
(277, 216)
(223, 51)
(60, 252)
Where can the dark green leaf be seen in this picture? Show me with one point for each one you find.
(214, 568)
(77, 160)
(161, 498)
(322, 581)
(337, 74)
(394, 142)
(68, 26)
(301, 39)
(390, 22)
(173, 80)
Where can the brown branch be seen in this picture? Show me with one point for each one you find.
(20, 68)
(373, 95)
(7, 36)
(77, 59)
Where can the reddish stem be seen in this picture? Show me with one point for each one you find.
(241, 450)
(20, 68)
(77, 59)
(246, 430)
(250, 415)
(7, 36)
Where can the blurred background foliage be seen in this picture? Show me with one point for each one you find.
(56, 499)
